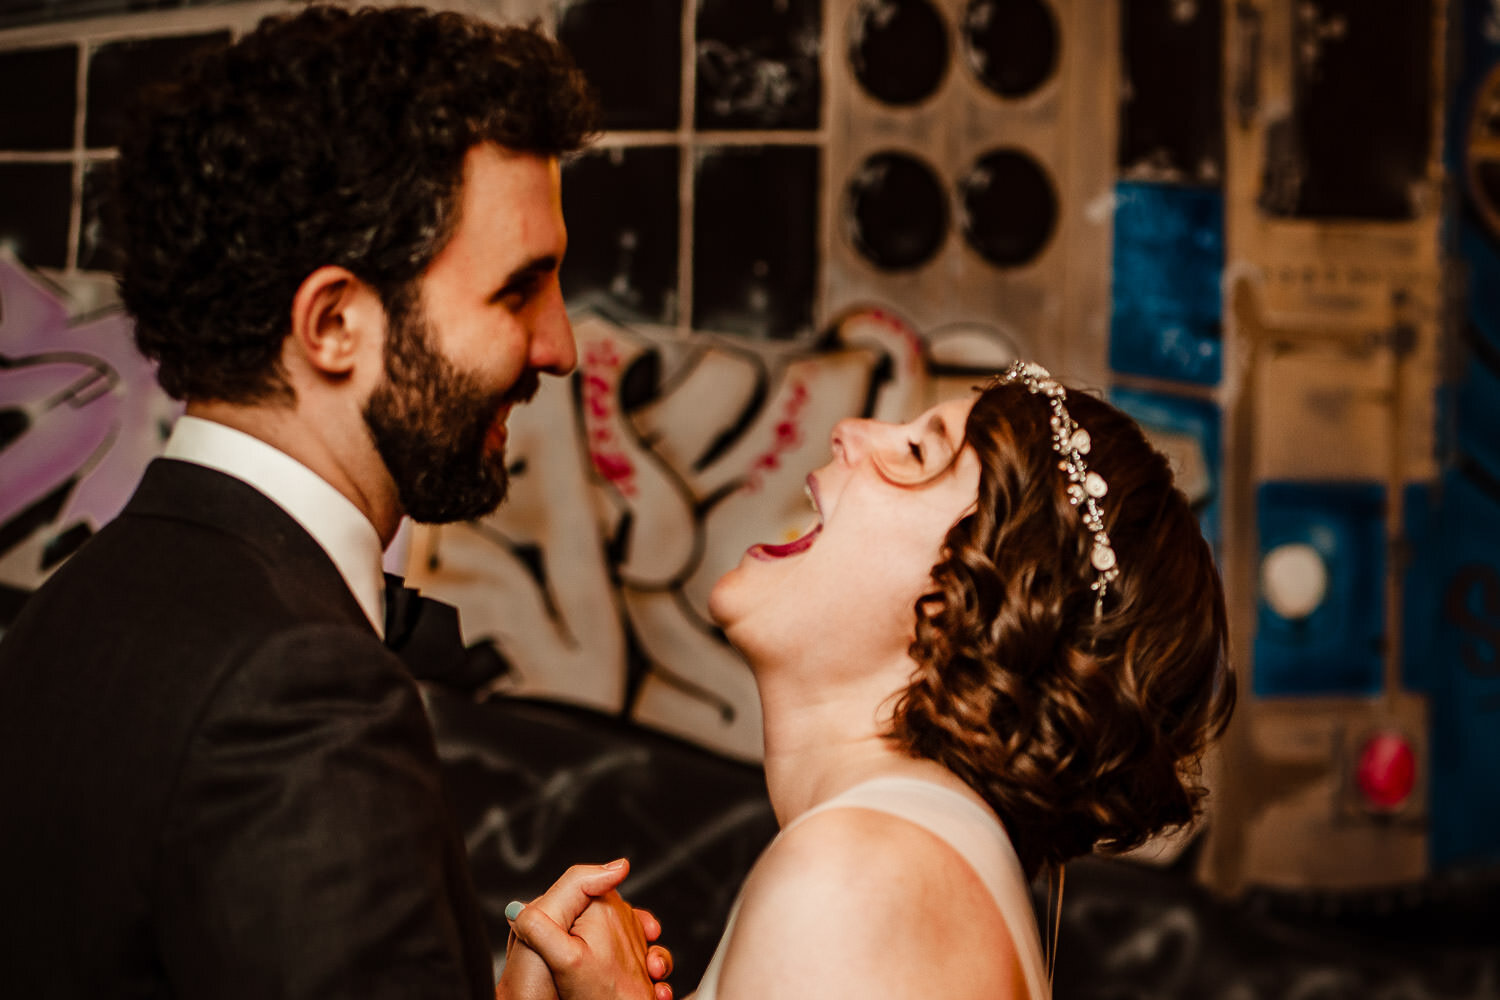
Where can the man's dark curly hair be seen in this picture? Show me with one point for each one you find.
(329, 137)
(1081, 733)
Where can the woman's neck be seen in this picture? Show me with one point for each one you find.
(821, 740)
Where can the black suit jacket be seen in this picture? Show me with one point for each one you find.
(215, 780)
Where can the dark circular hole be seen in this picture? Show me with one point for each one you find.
(1011, 45)
(898, 49)
(1009, 207)
(896, 211)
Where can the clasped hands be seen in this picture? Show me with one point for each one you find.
(581, 941)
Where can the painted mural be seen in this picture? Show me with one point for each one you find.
(1240, 234)
(80, 416)
(645, 478)
(636, 483)
(600, 713)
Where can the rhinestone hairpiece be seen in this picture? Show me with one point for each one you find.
(1085, 488)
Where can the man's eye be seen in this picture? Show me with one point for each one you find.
(516, 295)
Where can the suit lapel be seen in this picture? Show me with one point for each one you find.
(200, 495)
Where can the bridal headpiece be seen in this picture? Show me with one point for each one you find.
(1085, 487)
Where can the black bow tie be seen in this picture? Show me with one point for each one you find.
(423, 632)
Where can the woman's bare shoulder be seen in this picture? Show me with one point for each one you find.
(857, 902)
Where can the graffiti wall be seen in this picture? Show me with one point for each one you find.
(80, 415)
(601, 711)
(1229, 216)
(643, 481)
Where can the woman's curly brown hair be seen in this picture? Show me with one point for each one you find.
(331, 136)
(1081, 733)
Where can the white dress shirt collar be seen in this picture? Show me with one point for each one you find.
(343, 531)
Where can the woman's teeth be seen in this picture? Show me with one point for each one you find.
(801, 543)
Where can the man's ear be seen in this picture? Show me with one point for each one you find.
(336, 318)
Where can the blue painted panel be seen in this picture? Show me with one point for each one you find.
(1477, 31)
(1482, 261)
(1420, 587)
(1477, 399)
(1195, 418)
(1464, 663)
(1455, 583)
(1336, 649)
(1167, 261)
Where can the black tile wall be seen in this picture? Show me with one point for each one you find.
(35, 224)
(622, 210)
(17, 12)
(41, 99)
(1171, 114)
(757, 64)
(631, 51)
(95, 251)
(118, 71)
(755, 240)
(1357, 141)
(14, 13)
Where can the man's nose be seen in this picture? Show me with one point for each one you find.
(553, 349)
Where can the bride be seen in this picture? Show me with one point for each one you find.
(1001, 646)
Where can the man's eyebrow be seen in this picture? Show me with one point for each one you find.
(531, 269)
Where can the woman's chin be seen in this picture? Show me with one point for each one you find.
(732, 604)
(721, 600)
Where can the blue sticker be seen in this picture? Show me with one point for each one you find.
(1321, 631)
(1167, 264)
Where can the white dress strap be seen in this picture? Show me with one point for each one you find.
(966, 826)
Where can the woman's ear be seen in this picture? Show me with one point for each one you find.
(336, 318)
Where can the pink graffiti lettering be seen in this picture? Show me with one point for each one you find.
(601, 364)
(788, 435)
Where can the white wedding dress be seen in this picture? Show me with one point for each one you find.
(969, 829)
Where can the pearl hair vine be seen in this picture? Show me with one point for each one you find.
(1085, 488)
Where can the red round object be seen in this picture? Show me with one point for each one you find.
(1387, 771)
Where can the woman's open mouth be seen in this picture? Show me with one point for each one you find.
(769, 550)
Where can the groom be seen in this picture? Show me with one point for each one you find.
(342, 237)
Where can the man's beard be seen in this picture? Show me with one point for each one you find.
(429, 421)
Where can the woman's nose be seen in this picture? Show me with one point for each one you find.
(839, 440)
(854, 437)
